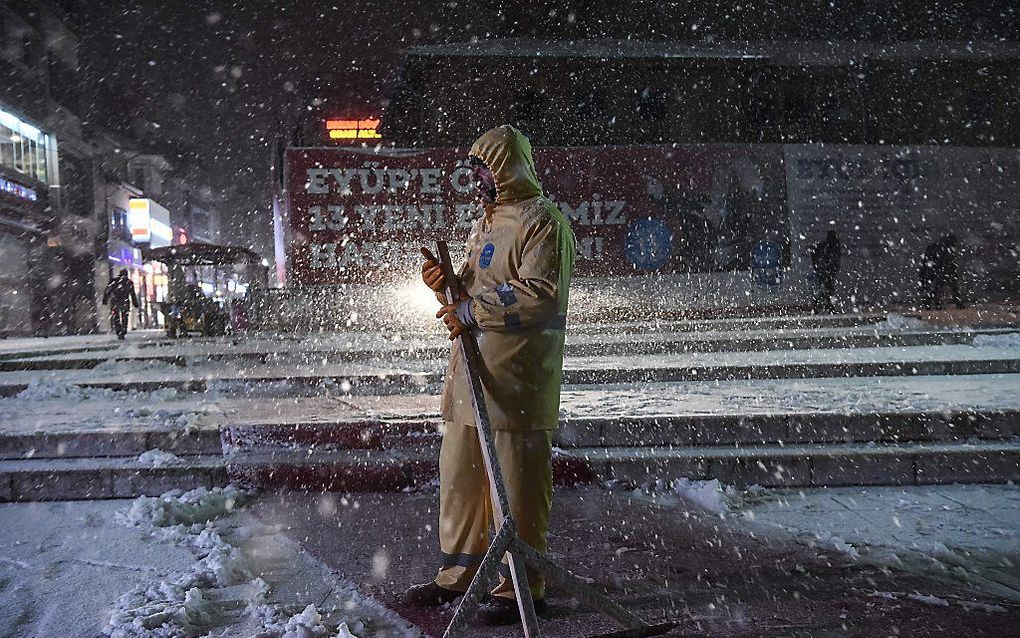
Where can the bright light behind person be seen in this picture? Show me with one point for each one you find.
(416, 301)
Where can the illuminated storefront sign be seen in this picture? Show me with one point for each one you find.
(149, 223)
(18, 190)
(353, 129)
(129, 257)
(138, 220)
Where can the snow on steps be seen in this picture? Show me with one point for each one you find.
(814, 465)
(660, 343)
(766, 465)
(107, 442)
(104, 477)
(781, 450)
(790, 450)
(394, 383)
(638, 431)
(389, 470)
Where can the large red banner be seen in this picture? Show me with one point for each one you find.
(359, 216)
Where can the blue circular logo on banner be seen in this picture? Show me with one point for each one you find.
(648, 244)
(486, 257)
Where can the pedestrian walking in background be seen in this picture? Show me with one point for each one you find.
(938, 271)
(826, 257)
(120, 295)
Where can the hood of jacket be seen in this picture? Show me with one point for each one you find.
(507, 153)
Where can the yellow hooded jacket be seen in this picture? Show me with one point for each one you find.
(520, 256)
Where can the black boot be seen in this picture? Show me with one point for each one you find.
(430, 595)
(498, 610)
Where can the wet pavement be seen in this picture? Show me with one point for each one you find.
(716, 577)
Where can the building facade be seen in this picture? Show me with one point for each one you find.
(47, 229)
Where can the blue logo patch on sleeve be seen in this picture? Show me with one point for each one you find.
(506, 294)
(486, 257)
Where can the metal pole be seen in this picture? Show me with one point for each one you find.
(502, 514)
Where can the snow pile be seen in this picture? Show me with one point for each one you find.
(176, 507)
(985, 571)
(897, 321)
(53, 389)
(306, 624)
(184, 604)
(709, 496)
(924, 530)
(929, 599)
(185, 421)
(47, 390)
(217, 595)
(1005, 340)
(158, 458)
(830, 541)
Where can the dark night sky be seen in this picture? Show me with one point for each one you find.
(214, 79)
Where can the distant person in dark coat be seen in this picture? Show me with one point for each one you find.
(938, 270)
(826, 257)
(120, 295)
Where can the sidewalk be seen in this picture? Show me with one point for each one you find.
(965, 534)
(660, 562)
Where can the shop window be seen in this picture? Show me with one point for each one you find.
(22, 147)
(119, 224)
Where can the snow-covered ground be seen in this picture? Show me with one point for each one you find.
(965, 534)
(180, 565)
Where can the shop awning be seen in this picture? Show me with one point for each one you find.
(198, 254)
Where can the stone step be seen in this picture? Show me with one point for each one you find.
(32, 352)
(106, 442)
(661, 322)
(99, 478)
(303, 384)
(813, 465)
(142, 385)
(768, 466)
(80, 363)
(633, 431)
(395, 470)
(655, 430)
(362, 470)
(789, 371)
(794, 428)
(664, 343)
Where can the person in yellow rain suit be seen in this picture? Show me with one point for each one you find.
(520, 256)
